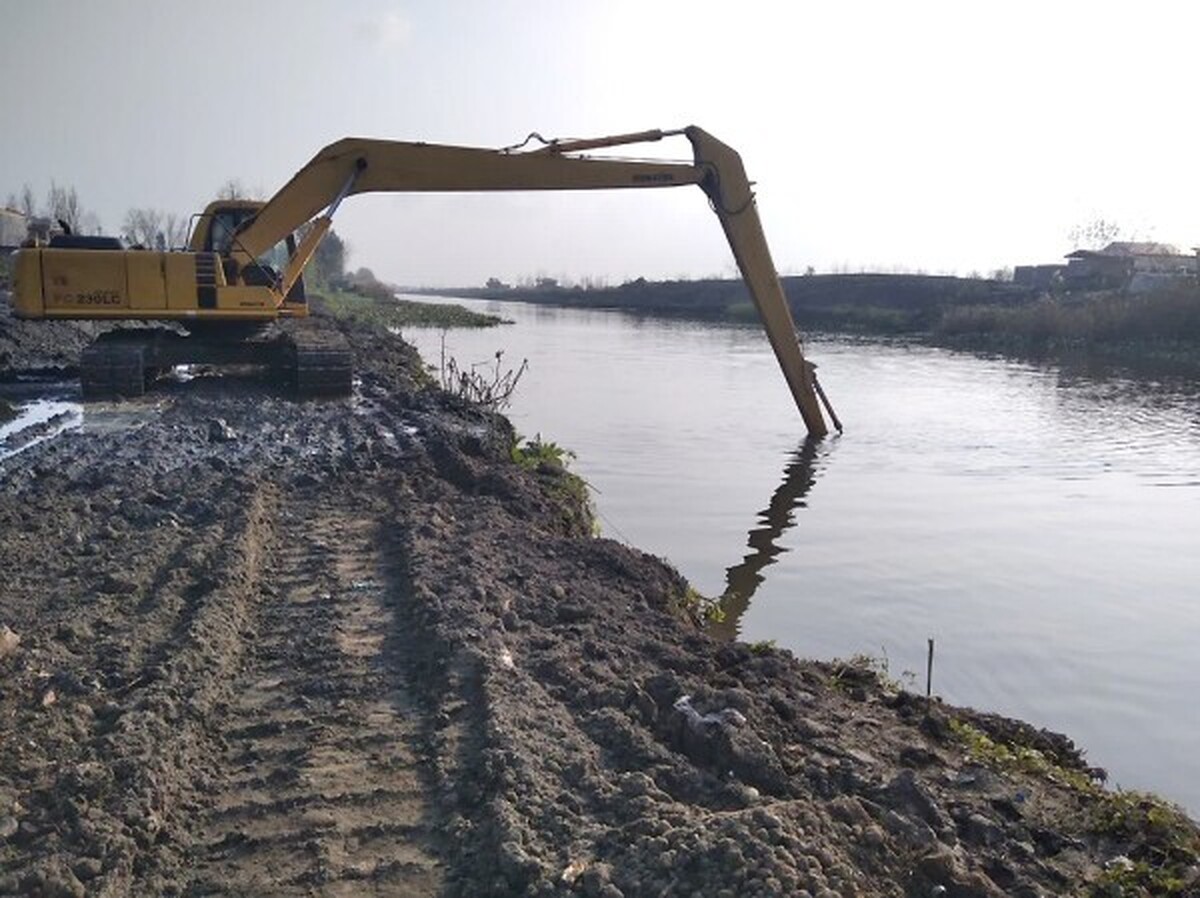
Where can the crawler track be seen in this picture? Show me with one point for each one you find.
(319, 789)
(311, 360)
(319, 363)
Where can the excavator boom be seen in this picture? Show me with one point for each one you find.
(359, 165)
(397, 167)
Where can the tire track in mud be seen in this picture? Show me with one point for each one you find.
(319, 788)
(135, 668)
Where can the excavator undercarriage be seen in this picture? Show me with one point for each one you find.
(123, 363)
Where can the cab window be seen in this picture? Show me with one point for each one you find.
(225, 224)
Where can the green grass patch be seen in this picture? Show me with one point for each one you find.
(539, 454)
(864, 667)
(863, 319)
(697, 606)
(7, 410)
(742, 313)
(551, 461)
(1166, 846)
(382, 313)
(1011, 756)
(848, 318)
(1162, 845)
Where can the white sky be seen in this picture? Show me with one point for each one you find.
(929, 136)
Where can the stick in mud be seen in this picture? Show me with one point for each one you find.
(929, 673)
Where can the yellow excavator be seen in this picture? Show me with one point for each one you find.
(244, 260)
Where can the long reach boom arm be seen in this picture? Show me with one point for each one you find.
(359, 165)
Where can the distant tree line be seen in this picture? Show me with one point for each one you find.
(60, 205)
(153, 228)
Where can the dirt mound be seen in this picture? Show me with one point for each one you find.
(352, 648)
(38, 346)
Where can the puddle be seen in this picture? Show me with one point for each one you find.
(57, 409)
(37, 421)
(116, 417)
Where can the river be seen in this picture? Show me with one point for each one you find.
(1042, 527)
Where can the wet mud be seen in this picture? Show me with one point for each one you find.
(257, 646)
(28, 347)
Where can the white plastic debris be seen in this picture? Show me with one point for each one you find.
(9, 641)
(573, 871)
(698, 721)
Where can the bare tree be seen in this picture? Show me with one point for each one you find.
(231, 190)
(174, 229)
(1095, 234)
(234, 189)
(154, 229)
(62, 204)
(142, 226)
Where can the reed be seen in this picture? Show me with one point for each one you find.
(1171, 314)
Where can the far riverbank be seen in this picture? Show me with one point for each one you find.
(1155, 332)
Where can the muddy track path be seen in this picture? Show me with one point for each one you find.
(319, 789)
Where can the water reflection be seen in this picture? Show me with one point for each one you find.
(742, 580)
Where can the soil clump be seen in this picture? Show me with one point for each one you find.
(33, 347)
(261, 646)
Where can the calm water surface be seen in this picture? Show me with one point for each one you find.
(1042, 528)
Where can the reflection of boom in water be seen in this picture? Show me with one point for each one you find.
(742, 580)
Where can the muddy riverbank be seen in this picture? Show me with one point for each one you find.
(257, 646)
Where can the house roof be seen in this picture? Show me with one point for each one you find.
(1123, 248)
(1094, 254)
(1126, 250)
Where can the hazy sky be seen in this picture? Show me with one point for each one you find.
(937, 136)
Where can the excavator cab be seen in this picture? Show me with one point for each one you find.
(216, 232)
